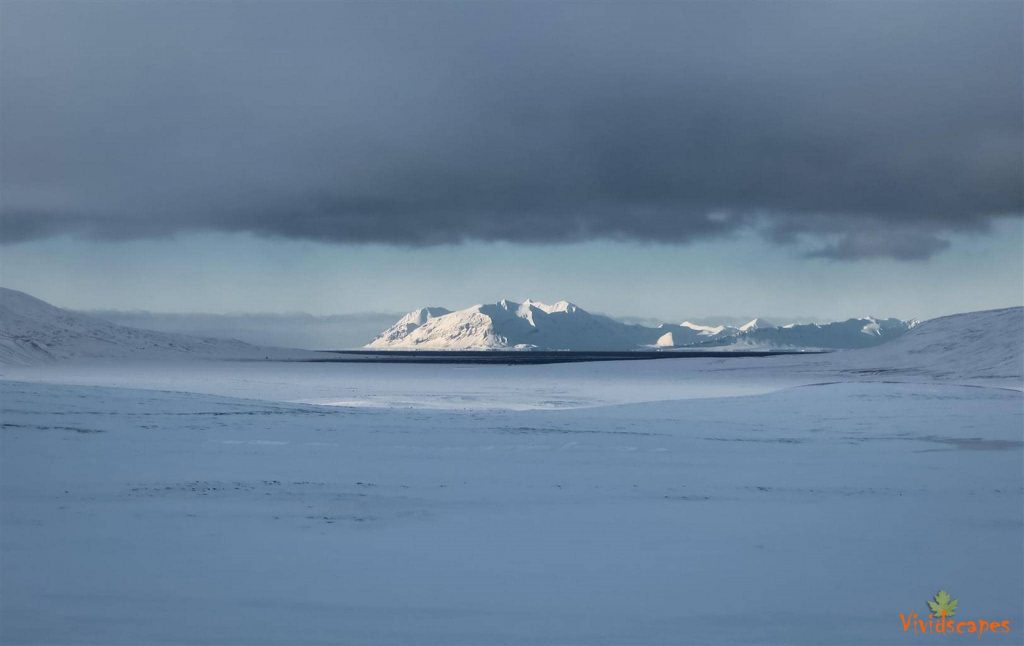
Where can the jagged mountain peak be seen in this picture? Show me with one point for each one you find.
(755, 324)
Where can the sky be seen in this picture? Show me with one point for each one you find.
(805, 160)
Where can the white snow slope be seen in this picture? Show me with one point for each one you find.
(986, 345)
(409, 323)
(33, 331)
(532, 325)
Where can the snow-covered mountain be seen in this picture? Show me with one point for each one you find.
(33, 331)
(532, 325)
(409, 323)
(509, 325)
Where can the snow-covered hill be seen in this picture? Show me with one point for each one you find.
(983, 345)
(563, 326)
(33, 331)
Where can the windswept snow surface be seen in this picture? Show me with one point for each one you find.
(429, 386)
(809, 516)
(802, 499)
(532, 325)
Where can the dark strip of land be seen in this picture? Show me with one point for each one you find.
(528, 357)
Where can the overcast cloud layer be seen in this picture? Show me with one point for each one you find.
(867, 129)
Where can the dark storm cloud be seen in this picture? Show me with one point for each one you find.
(866, 129)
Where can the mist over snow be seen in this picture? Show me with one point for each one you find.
(33, 331)
(296, 330)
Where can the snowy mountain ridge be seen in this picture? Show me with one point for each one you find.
(533, 325)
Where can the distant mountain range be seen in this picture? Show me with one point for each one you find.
(531, 325)
(976, 344)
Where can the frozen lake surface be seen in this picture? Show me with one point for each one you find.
(781, 500)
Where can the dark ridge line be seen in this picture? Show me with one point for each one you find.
(530, 357)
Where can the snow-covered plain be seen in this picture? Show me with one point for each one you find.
(813, 515)
(793, 499)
